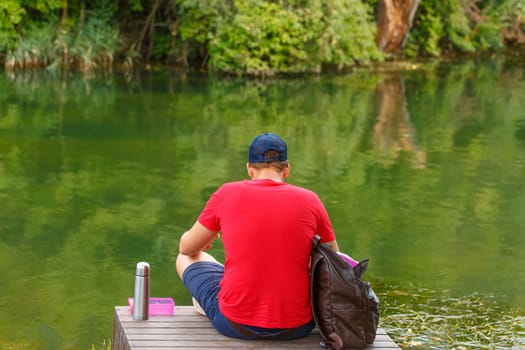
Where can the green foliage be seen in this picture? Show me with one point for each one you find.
(347, 33)
(52, 45)
(459, 31)
(35, 48)
(163, 45)
(439, 25)
(507, 17)
(263, 37)
(11, 14)
(199, 18)
(196, 24)
(136, 5)
(97, 41)
(43, 6)
(464, 26)
(488, 36)
(424, 38)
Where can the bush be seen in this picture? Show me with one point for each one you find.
(260, 37)
(52, 45)
(464, 26)
(11, 14)
(263, 38)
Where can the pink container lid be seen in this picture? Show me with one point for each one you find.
(157, 306)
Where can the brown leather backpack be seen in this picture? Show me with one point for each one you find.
(344, 307)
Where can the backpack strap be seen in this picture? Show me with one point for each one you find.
(315, 241)
(333, 341)
(313, 266)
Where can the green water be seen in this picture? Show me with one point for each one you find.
(422, 170)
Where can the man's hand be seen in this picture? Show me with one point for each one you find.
(209, 245)
(197, 239)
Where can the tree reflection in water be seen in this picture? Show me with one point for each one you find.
(393, 132)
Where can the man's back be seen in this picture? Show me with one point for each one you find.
(267, 227)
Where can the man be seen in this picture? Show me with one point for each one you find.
(267, 225)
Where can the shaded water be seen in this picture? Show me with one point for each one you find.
(421, 170)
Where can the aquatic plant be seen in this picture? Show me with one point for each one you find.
(105, 345)
(427, 319)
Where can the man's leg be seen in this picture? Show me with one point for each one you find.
(202, 274)
(183, 261)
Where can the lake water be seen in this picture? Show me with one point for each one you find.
(421, 168)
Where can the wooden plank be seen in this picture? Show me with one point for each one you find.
(186, 329)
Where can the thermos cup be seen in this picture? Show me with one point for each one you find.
(141, 295)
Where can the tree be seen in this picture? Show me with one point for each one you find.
(394, 20)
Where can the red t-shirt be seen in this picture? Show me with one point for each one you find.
(267, 229)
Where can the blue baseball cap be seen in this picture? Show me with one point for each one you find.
(267, 142)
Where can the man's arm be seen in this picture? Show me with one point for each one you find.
(334, 245)
(195, 240)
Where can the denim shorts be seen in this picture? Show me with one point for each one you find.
(203, 279)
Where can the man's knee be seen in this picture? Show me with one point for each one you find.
(183, 261)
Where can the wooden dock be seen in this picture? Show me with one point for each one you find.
(186, 329)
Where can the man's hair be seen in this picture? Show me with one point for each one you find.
(271, 154)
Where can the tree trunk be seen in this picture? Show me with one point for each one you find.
(394, 20)
(149, 26)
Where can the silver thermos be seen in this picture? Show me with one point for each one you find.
(141, 295)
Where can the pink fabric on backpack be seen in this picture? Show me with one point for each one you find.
(348, 259)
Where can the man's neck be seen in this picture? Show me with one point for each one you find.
(268, 174)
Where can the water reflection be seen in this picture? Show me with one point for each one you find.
(421, 171)
(393, 132)
(520, 130)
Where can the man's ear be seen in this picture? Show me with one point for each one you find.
(249, 169)
(286, 171)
